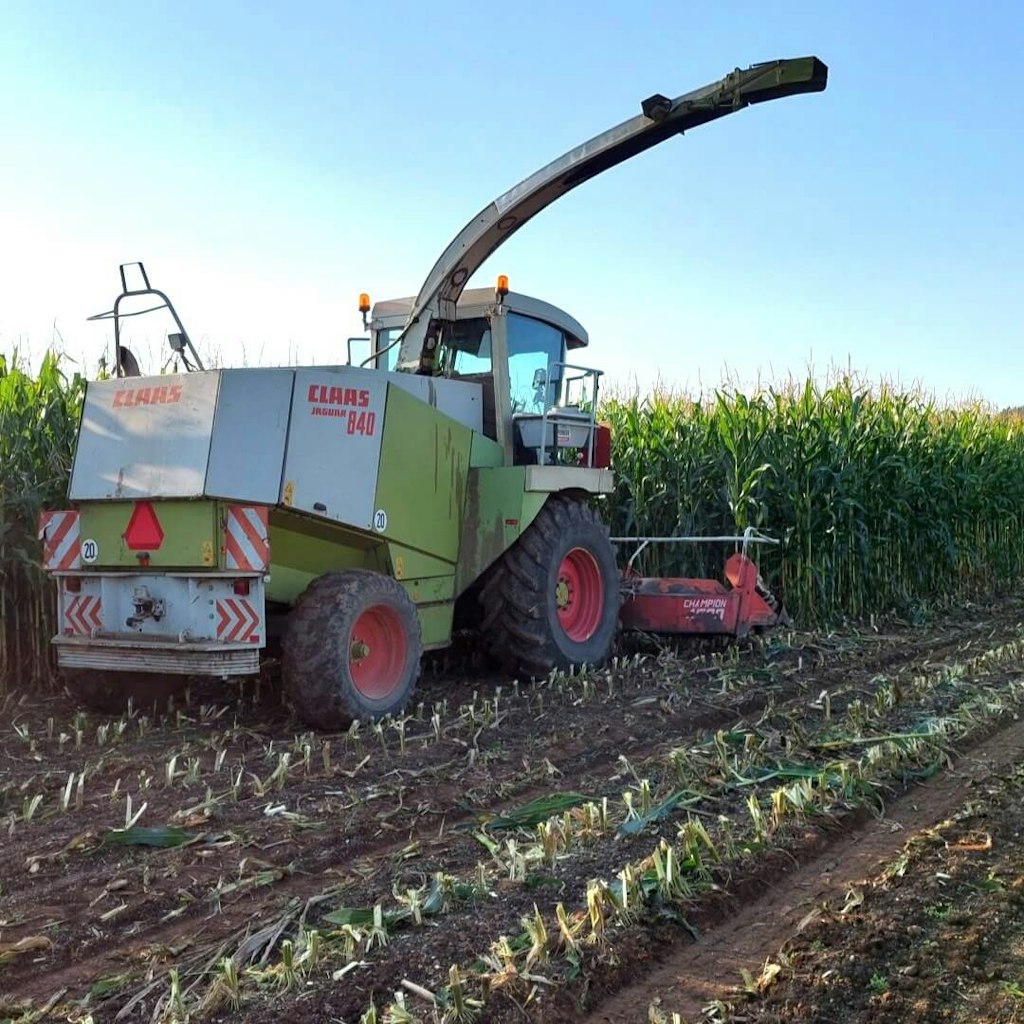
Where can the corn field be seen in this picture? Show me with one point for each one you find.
(38, 420)
(884, 500)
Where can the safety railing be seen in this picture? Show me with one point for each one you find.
(751, 535)
(535, 429)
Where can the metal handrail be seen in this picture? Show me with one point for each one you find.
(117, 316)
(554, 415)
(751, 535)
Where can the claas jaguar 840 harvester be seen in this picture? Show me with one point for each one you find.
(347, 515)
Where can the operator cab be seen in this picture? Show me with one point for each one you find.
(536, 402)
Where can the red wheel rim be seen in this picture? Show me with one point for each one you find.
(377, 651)
(579, 595)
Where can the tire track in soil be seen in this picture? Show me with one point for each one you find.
(748, 927)
(580, 763)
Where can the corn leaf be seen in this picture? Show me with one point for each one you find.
(678, 799)
(536, 811)
(140, 835)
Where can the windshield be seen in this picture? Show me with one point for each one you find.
(467, 350)
(532, 347)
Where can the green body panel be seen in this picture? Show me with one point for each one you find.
(302, 548)
(406, 563)
(436, 624)
(421, 482)
(498, 509)
(485, 452)
(191, 534)
(430, 590)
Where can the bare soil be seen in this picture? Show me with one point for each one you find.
(285, 826)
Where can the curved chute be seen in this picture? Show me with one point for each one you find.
(661, 119)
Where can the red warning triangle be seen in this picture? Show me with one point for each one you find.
(144, 532)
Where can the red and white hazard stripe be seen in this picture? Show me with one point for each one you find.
(246, 538)
(61, 543)
(238, 621)
(83, 614)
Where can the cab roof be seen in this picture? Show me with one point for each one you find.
(476, 302)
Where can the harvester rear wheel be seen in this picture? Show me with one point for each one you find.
(110, 692)
(552, 600)
(351, 649)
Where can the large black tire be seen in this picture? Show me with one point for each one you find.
(552, 600)
(110, 692)
(351, 649)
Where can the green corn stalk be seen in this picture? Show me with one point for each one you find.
(886, 500)
(38, 423)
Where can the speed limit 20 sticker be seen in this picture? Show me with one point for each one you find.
(90, 550)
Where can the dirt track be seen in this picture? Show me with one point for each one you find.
(283, 828)
(760, 931)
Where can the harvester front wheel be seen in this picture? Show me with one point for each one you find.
(552, 600)
(351, 649)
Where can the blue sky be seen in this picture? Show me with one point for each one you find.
(270, 161)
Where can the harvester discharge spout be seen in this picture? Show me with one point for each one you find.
(660, 119)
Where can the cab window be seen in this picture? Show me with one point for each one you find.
(467, 351)
(533, 346)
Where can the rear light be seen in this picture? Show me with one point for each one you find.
(72, 584)
(241, 587)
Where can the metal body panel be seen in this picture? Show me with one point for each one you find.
(478, 302)
(250, 429)
(421, 486)
(699, 606)
(190, 528)
(407, 563)
(569, 478)
(173, 608)
(415, 383)
(557, 435)
(334, 444)
(436, 624)
(462, 400)
(498, 510)
(485, 452)
(145, 437)
(459, 399)
(303, 548)
(154, 656)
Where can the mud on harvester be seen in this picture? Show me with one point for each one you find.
(349, 512)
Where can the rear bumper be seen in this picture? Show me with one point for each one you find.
(167, 623)
(132, 654)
